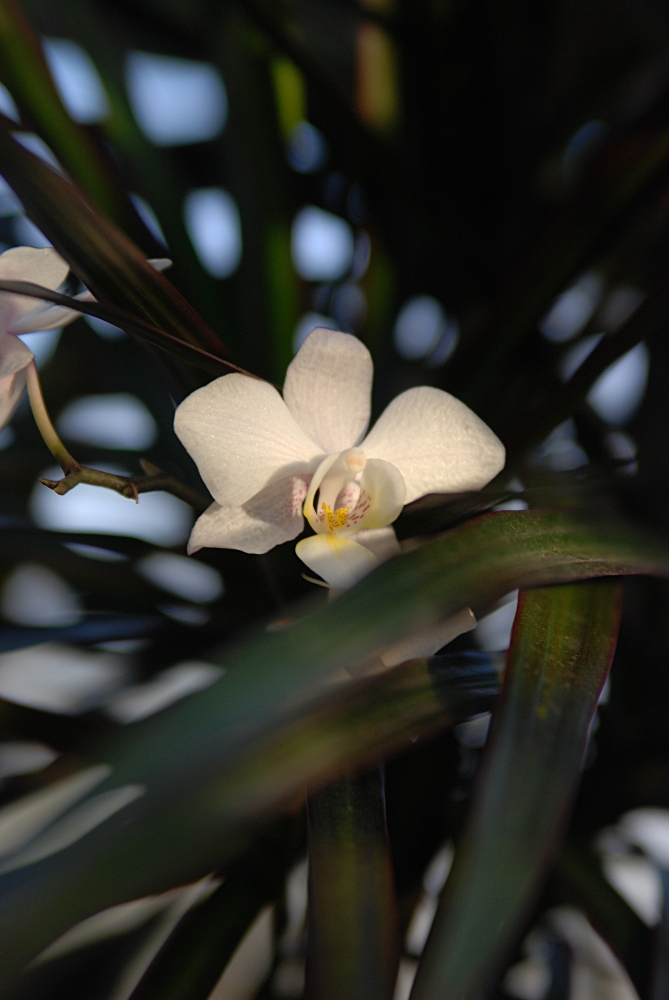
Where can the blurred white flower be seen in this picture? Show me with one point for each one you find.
(20, 314)
(269, 461)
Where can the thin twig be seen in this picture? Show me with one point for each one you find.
(128, 486)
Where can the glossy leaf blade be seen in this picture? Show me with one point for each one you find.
(353, 917)
(24, 70)
(101, 255)
(201, 761)
(120, 317)
(563, 643)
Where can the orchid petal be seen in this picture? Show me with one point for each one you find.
(382, 542)
(382, 496)
(14, 359)
(42, 266)
(11, 390)
(271, 517)
(436, 442)
(14, 355)
(49, 317)
(242, 437)
(427, 641)
(41, 320)
(328, 389)
(340, 561)
(318, 477)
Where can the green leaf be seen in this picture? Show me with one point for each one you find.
(563, 643)
(217, 763)
(580, 880)
(541, 417)
(353, 948)
(24, 70)
(100, 255)
(194, 956)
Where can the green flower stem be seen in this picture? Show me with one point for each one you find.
(130, 487)
(353, 920)
(43, 421)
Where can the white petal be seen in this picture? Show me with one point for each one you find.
(271, 517)
(49, 317)
(11, 390)
(42, 319)
(41, 266)
(436, 442)
(316, 480)
(427, 641)
(381, 541)
(242, 436)
(14, 359)
(14, 355)
(340, 561)
(328, 389)
(382, 496)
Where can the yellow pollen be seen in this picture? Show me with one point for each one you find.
(337, 518)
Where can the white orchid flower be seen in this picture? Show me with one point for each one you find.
(20, 314)
(269, 462)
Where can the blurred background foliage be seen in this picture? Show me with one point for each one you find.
(480, 192)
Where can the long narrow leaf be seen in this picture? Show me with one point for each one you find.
(120, 317)
(353, 948)
(563, 643)
(104, 258)
(210, 765)
(25, 72)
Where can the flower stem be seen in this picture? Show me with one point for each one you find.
(43, 421)
(154, 478)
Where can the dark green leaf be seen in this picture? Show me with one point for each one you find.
(219, 761)
(563, 643)
(103, 258)
(537, 421)
(353, 949)
(24, 70)
(580, 880)
(120, 317)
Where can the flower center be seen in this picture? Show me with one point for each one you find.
(338, 487)
(336, 518)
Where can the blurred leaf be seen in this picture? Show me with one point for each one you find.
(98, 628)
(366, 721)
(353, 938)
(539, 419)
(218, 762)
(100, 255)
(660, 986)
(579, 876)
(24, 70)
(627, 170)
(562, 646)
